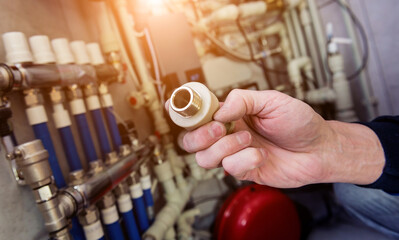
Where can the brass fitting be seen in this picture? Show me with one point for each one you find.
(103, 89)
(125, 150)
(56, 95)
(185, 101)
(33, 97)
(74, 92)
(90, 90)
(111, 158)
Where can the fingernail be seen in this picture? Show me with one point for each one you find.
(243, 137)
(216, 130)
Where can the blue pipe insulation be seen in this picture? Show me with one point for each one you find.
(101, 131)
(41, 132)
(114, 231)
(141, 213)
(126, 210)
(85, 136)
(149, 202)
(77, 230)
(148, 199)
(68, 143)
(130, 225)
(113, 127)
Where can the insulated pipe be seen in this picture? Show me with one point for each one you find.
(125, 207)
(108, 110)
(94, 106)
(110, 217)
(148, 199)
(78, 110)
(139, 206)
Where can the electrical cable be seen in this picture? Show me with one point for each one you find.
(363, 36)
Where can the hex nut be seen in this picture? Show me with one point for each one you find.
(124, 150)
(89, 216)
(90, 90)
(74, 92)
(45, 193)
(107, 201)
(56, 95)
(111, 158)
(32, 97)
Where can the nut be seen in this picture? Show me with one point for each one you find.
(111, 158)
(32, 97)
(133, 178)
(121, 189)
(103, 89)
(45, 193)
(107, 201)
(76, 177)
(89, 216)
(124, 150)
(56, 95)
(90, 90)
(74, 92)
(96, 167)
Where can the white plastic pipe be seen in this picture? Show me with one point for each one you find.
(140, 62)
(170, 213)
(298, 31)
(291, 35)
(185, 222)
(320, 34)
(344, 103)
(307, 25)
(294, 73)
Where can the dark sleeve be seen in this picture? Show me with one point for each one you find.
(387, 130)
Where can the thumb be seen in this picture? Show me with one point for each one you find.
(248, 102)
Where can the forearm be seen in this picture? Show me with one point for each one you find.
(354, 154)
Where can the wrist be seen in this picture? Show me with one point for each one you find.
(353, 154)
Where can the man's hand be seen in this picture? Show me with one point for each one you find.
(282, 142)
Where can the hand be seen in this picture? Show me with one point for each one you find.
(282, 142)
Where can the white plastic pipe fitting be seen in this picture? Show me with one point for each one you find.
(192, 105)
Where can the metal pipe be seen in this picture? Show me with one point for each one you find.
(32, 159)
(95, 187)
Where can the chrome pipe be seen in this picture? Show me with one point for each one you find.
(95, 187)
